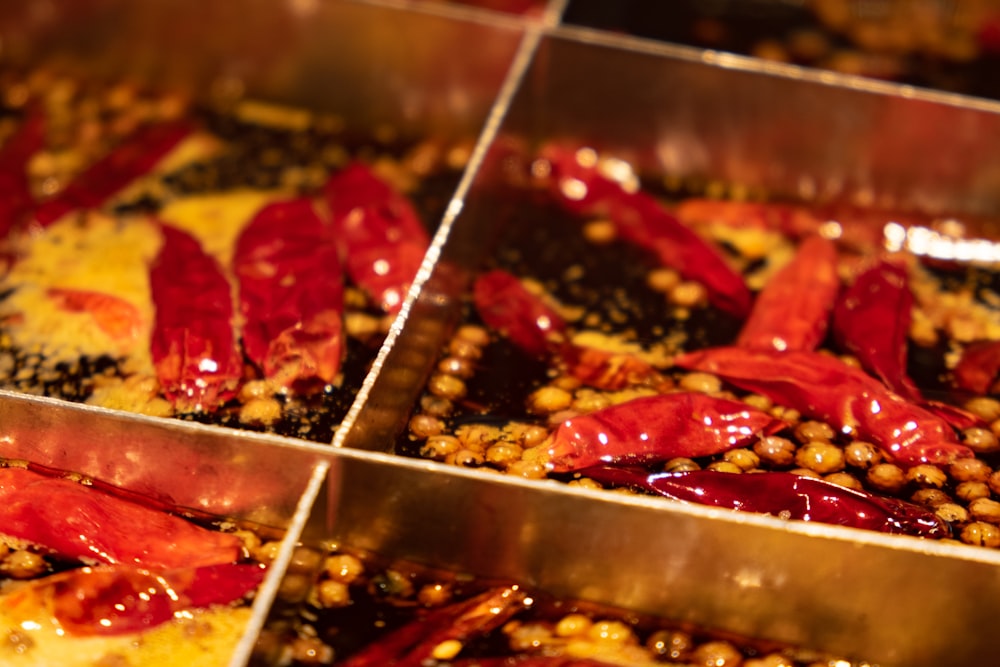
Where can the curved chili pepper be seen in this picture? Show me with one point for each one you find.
(86, 524)
(507, 306)
(582, 188)
(978, 368)
(291, 295)
(15, 193)
(653, 429)
(194, 343)
(413, 644)
(136, 156)
(782, 494)
(793, 310)
(382, 238)
(116, 317)
(872, 320)
(122, 599)
(823, 387)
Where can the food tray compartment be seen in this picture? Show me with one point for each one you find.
(946, 46)
(253, 482)
(290, 89)
(696, 123)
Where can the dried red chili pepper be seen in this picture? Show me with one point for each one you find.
(823, 387)
(136, 156)
(413, 644)
(782, 494)
(653, 429)
(86, 524)
(507, 306)
(291, 295)
(15, 192)
(792, 312)
(116, 317)
(383, 240)
(978, 368)
(872, 321)
(582, 188)
(194, 346)
(124, 599)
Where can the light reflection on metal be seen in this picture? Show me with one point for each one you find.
(926, 242)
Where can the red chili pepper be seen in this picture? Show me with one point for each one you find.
(15, 193)
(782, 494)
(872, 320)
(86, 524)
(194, 343)
(126, 162)
(653, 429)
(508, 307)
(978, 368)
(413, 644)
(823, 387)
(383, 240)
(793, 221)
(116, 317)
(291, 295)
(582, 188)
(793, 310)
(123, 599)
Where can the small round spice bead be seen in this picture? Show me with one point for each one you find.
(473, 334)
(930, 497)
(662, 279)
(724, 466)
(436, 406)
(573, 625)
(805, 472)
(985, 509)
(744, 459)
(814, 430)
(680, 464)
(590, 401)
(599, 232)
(344, 568)
(771, 660)
(503, 454)
(716, 654)
(969, 470)
(821, 457)
(845, 480)
(331, 594)
(434, 595)
(952, 513)
(425, 426)
(861, 454)
(984, 407)
(926, 475)
(311, 651)
(785, 414)
(456, 366)
(969, 491)
(886, 477)
(980, 533)
(775, 450)
(547, 400)
(464, 349)
(705, 383)
(446, 386)
(981, 440)
(23, 564)
(687, 293)
(438, 447)
(611, 632)
(670, 644)
(467, 458)
(758, 401)
(533, 435)
(527, 469)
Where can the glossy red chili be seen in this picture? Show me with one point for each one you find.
(382, 238)
(291, 295)
(979, 367)
(16, 201)
(581, 186)
(413, 644)
(872, 321)
(653, 429)
(124, 599)
(823, 387)
(792, 312)
(135, 157)
(781, 494)
(86, 524)
(194, 343)
(531, 323)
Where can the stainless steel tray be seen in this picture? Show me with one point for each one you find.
(433, 69)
